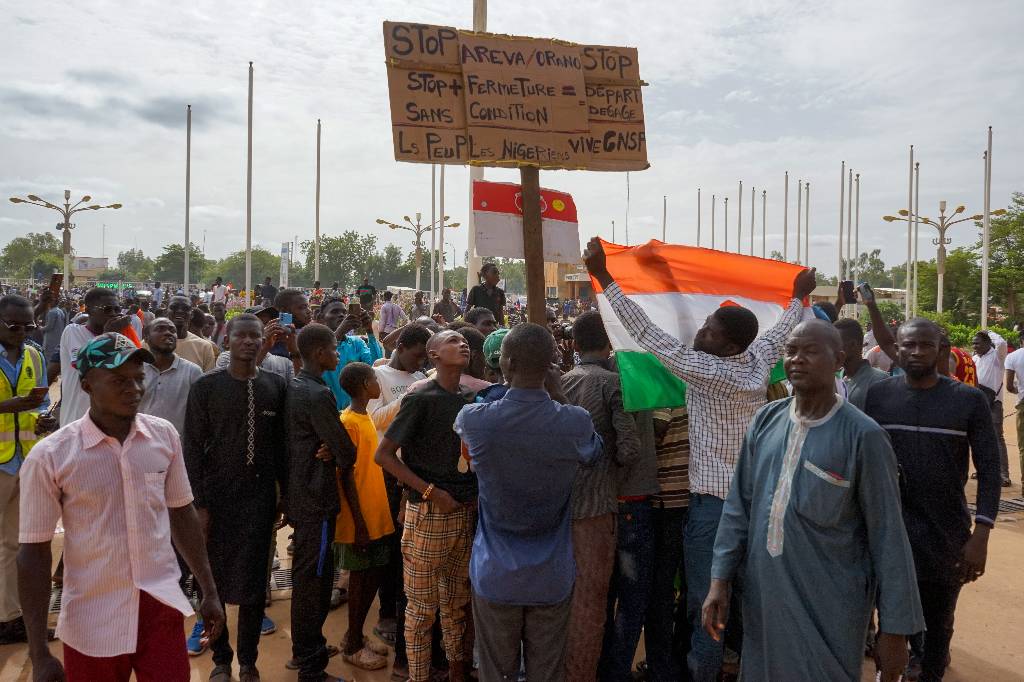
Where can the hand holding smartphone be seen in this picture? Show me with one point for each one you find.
(846, 289)
(285, 320)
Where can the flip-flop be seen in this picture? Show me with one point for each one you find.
(376, 647)
(366, 660)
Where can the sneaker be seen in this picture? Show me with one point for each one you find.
(195, 643)
(268, 627)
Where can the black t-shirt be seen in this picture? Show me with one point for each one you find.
(430, 446)
(268, 292)
(492, 299)
(366, 294)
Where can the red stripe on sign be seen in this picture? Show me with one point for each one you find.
(506, 197)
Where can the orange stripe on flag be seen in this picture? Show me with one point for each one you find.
(656, 267)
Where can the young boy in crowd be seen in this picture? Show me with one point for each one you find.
(364, 552)
(320, 452)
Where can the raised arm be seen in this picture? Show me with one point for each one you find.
(883, 335)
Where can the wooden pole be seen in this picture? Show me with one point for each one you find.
(533, 244)
(473, 261)
(433, 235)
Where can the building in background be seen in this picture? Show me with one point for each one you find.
(86, 269)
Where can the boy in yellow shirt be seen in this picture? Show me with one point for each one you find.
(366, 558)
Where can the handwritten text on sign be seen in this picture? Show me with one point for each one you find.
(478, 98)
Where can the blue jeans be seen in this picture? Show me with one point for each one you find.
(630, 590)
(705, 657)
(664, 642)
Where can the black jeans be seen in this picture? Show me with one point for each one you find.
(312, 580)
(664, 640)
(250, 620)
(938, 601)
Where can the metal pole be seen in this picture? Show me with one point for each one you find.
(785, 219)
(613, 232)
(917, 212)
(698, 216)
(856, 230)
(725, 210)
(910, 229)
(433, 226)
(664, 215)
(188, 187)
(66, 238)
(713, 201)
(799, 200)
(807, 223)
(842, 196)
(739, 219)
(753, 191)
(248, 204)
(986, 226)
(473, 261)
(849, 226)
(316, 240)
(440, 238)
(764, 223)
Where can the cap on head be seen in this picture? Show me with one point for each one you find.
(492, 347)
(109, 351)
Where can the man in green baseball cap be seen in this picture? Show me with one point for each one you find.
(492, 356)
(109, 351)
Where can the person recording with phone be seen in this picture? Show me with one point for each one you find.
(351, 348)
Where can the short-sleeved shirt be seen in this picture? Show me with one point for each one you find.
(1015, 362)
(113, 499)
(56, 320)
(857, 385)
(492, 299)
(430, 447)
(369, 480)
(197, 350)
(166, 394)
(74, 402)
(366, 294)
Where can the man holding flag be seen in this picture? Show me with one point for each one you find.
(726, 371)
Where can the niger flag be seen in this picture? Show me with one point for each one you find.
(679, 287)
(498, 222)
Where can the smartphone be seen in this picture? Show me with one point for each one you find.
(56, 280)
(866, 292)
(849, 295)
(284, 319)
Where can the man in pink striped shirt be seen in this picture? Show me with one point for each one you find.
(117, 478)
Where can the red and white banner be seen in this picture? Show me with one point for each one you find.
(498, 222)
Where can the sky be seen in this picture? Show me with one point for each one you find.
(93, 97)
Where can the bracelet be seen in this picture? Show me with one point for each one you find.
(427, 492)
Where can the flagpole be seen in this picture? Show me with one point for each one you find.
(473, 261)
(188, 187)
(664, 214)
(764, 223)
(856, 228)
(986, 234)
(849, 224)
(440, 237)
(726, 212)
(785, 219)
(753, 192)
(316, 239)
(613, 233)
(807, 223)
(739, 219)
(713, 221)
(433, 226)
(248, 204)
(910, 231)
(799, 200)
(842, 196)
(917, 209)
(698, 216)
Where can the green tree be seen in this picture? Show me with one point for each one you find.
(344, 258)
(387, 268)
(136, 266)
(19, 255)
(1006, 258)
(776, 255)
(170, 265)
(232, 268)
(871, 269)
(47, 264)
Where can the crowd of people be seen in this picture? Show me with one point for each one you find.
(482, 481)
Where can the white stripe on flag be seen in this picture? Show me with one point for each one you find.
(501, 234)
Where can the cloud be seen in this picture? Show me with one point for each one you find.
(741, 96)
(101, 77)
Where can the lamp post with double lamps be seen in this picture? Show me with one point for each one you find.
(419, 230)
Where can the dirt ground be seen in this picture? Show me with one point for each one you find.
(986, 646)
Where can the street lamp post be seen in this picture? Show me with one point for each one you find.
(944, 223)
(66, 225)
(419, 230)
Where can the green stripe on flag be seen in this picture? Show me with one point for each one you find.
(646, 384)
(778, 373)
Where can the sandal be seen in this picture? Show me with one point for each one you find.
(376, 647)
(221, 673)
(365, 659)
(332, 651)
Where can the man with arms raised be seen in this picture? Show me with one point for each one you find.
(936, 424)
(117, 481)
(813, 523)
(726, 372)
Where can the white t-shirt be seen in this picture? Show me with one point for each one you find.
(393, 385)
(74, 402)
(1015, 361)
(220, 293)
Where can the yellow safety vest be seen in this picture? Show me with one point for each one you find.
(20, 427)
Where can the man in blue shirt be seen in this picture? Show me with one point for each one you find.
(525, 449)
(351, 348)
(21, 399)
